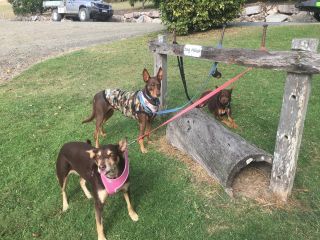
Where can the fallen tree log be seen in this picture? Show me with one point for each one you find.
(221, 152)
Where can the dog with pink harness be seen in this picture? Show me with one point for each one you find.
(105, 168)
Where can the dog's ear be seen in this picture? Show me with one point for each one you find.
(231, 89)
(145, 75)
(93, 153)
(217, 87)
(160, 74)
(123, 145)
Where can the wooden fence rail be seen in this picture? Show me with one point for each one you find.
(300, 64)
(299, 61)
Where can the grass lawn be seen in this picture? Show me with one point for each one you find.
(42, 108)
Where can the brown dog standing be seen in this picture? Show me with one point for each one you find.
(140, 105)
(89, 163)
(220, 105)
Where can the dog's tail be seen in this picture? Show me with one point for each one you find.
(89, 119)
(206, 102)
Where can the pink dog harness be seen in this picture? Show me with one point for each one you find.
(113, 185)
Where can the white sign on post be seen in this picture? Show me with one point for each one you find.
(192, 50)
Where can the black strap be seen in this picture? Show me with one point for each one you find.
(183, 77)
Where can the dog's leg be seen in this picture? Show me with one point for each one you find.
(142, 127)
(231, 120)
(99, 122)
(133, 215)
(148, 128)
(84, 188)
(227, 122)
(98, 212)
(102, 131)
(63, 169)
(99, 201)
(65, 204)
(105, 118)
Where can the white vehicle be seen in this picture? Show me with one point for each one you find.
(81, 9)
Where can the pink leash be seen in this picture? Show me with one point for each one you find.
(198, 102)
(113, 185)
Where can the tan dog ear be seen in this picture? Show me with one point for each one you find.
(160, 74)
(123, 145)
(146, 75)
(93, 153)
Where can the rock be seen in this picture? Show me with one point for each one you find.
(140, 19)
(302, 17)
(251, 10)
(144, 19)
(276, 17)
(272, 10)
(128, 15)
(137, 14)
(117, 18)
(34, 18)
(156, 20)
(155, 14)
(287, 9)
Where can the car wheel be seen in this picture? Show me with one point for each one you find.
(317, 16)
(56, 16)
(84, 14)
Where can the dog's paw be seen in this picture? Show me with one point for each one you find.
(89, 196)
(234, 125)
(143, 150)
(134, 216)
(65, 207)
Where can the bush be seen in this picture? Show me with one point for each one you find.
(21, 7)
(198, 15)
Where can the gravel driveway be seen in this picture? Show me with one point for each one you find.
(25, 43)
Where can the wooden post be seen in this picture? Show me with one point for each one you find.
(160, 60)
(290, 129)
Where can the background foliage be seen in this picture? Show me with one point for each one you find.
(198, 15)
(21, 7)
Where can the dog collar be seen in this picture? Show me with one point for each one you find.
(113, 185)
(147, 106)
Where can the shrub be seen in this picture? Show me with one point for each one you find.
(21, 7)
(198, 15)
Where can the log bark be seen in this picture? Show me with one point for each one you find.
(219, 151)
(298, 61)
(160, 60)
(289, 135)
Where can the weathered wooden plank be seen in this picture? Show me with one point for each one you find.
(290, 129)
(219, 151)
(160, 60)
(294, 61)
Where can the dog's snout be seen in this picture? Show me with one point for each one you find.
(102, 167)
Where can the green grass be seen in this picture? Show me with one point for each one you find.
(43, 108)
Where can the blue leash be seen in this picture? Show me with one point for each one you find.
(212, 72)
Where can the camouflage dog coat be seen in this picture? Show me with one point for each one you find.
(132, 103)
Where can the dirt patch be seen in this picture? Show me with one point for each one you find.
(251, 183)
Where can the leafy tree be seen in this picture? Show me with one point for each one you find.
(155, 2)
(198, 15)
(26, 6)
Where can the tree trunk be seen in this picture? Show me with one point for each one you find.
(221, 152)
